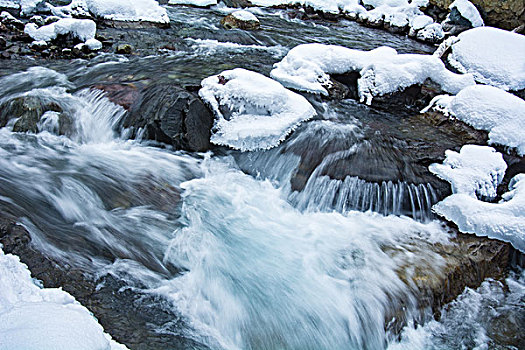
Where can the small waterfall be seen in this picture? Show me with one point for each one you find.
(399, 198)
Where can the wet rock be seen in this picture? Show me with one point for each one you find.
(109, 23)
(242, 20)
(166, 112)
(38, 45)
(28, 110)
(124, 49)
(237, 3)
(3, 43)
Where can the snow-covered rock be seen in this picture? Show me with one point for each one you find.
(419, 22)
(77, 8)
(432, 33)
(488, 108)
(128, 10)
(83, 29)
(10, 4)
(44, 318)
(198, 3)
(475, 170)
(307, 68)
(504, 220)
(493, 56)
(468, 11)
(241, 19)
(252, 111)
(93, 44)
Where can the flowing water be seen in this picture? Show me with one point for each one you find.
(258, 250)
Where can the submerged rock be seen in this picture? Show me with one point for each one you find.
(28, 110)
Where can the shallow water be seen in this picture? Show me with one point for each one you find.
(226, 240)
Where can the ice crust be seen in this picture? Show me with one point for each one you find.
(494, 56)
(252, 111)
(488, 108)
(307, 68)
(44, 318)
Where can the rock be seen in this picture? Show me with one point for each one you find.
(3, 43)
(28, 110)
(166, 112)
(124, 49)
(51, 19)
(38, 45)
(11, 22)
(67, 52)
(237, 3)
(242, 20)
(38, 20)
(507, 14)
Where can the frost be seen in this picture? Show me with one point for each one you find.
(494, 56)
(252, 111)
(307, 68)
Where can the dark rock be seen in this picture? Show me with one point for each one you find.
(232, 22)
(23, 37)
(109, 23)
(13, 23)
(237, 3)
(51, 19)
(28, 110)
(3, 43)
(38, 46)
(124, 49)
(167, 113)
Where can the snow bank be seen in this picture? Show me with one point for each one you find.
(494, 56)
(488, 108)
(307, 68)
(198, 3)
(128, 10)
(83, 29)
(468, 11)
(504, 220)
(43, 318)
(252, 111)
(475, 170)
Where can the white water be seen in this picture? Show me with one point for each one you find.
(258, 272)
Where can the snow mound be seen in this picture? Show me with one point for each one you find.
(504, 220)
(44, 318)
(129, 10)
(83, 29)
(475, 170)
(307, 67)
(494, 56)
(243, 15)
(488, 108)
(198, 3)
(252, 111)
(468, 11)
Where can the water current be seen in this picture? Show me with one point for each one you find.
(256, 250)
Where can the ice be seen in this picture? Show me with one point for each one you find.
(468, 11)
(504, 220)
(198, 3)
(43, 318)
(491, 109)
(475, 170)
(494, 56)
(83, 29)
(128, 10)
(307, 67)
(252, 111)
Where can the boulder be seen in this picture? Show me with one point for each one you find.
(28, 110)
(242, 20)
(124, 49)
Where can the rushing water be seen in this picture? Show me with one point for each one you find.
(252, 253)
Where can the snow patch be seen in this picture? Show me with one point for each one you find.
(307, 68)
(252, 111)
(44, 318)
(494, 56)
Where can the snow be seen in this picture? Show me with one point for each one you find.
(391, 3)
(128, 10)
(488, 108)
(432, 33)
(475, 170)
(93, 44)
(198, 3)
(307, 68)
(44, 318)
(83, 29)
(494, 56)
(10, 4)
(252, 111)
(246, 16)
(504, 220)
(28, 6)
(468, 11)
(420, 21)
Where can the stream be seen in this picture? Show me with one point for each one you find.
(276, 249)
